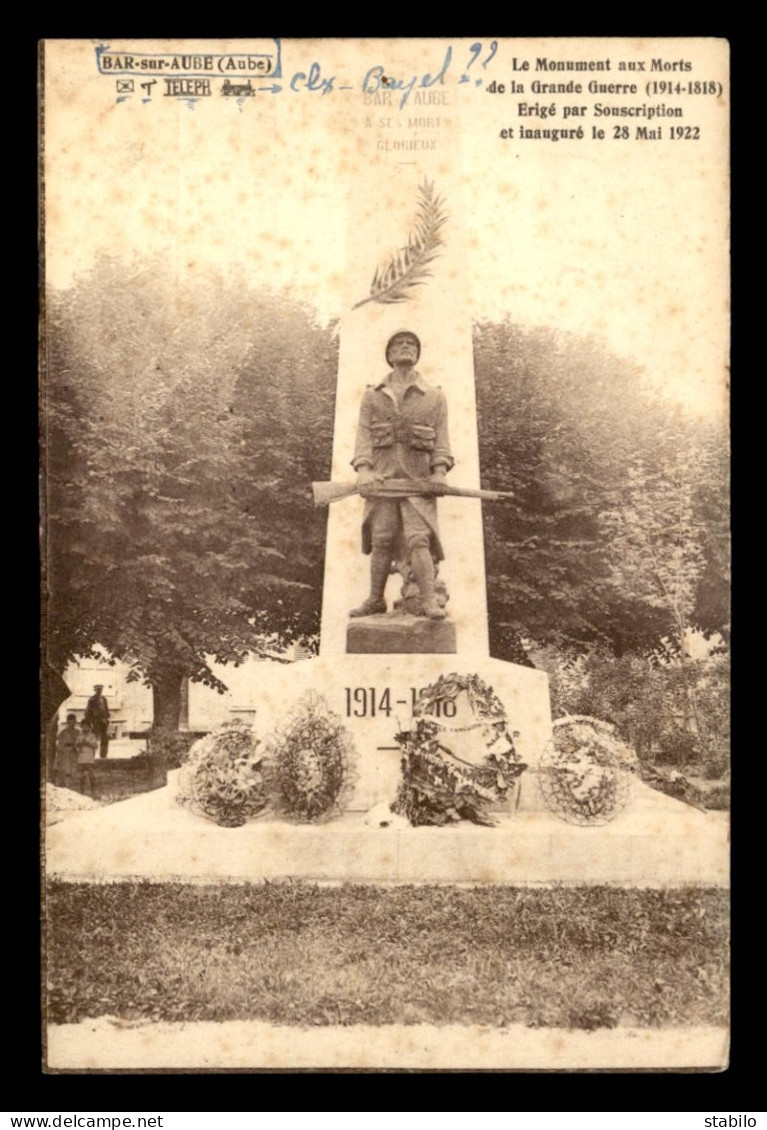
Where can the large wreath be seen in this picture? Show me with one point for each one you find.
(223, 777)
(456, 772)
(310, 762)
(585, 771)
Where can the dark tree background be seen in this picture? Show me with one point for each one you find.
(183, 431)
(609, 480)
(614, 556)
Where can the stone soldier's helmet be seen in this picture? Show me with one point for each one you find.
(401, 333)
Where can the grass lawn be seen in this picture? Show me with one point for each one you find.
(293, 953)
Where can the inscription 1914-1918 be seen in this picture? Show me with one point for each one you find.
(367, 702)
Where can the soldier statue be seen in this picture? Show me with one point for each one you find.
(402, 434)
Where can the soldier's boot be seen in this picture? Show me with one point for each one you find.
(380, 563)
(422, 566)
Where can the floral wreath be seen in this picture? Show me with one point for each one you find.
(310, 762)
(437, 785)
(223, 777)
(585, 771)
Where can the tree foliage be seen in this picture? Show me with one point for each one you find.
(586, 449)
(648, 701)
(174, 486)
(657, 536)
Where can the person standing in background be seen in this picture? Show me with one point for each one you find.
(97, 717)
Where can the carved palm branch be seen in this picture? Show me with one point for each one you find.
(408, 267)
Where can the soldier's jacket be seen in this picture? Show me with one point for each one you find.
(403, 442)
(406, 441)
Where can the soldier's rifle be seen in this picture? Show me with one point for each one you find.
(325, 493)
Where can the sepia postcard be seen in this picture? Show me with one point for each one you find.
(385, 452)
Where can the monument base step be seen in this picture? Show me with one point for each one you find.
(655, 842)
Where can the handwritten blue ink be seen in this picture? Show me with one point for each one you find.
(476, 51)
(314, 80)
(493, 49)
(376, 79)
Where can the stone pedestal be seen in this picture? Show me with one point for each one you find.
(400, 633)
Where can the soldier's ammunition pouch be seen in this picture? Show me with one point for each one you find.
(420, 437)
(382, 435)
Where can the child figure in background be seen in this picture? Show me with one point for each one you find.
(68, 753)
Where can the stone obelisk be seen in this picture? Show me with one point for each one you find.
(384, 211)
